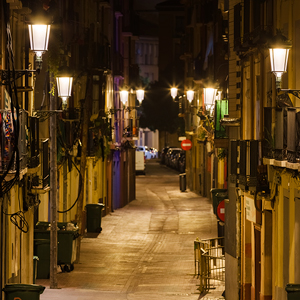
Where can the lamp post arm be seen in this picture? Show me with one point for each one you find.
(295, 93)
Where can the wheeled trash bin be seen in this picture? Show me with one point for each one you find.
(20, 291)
(66, 250)
(93, 217)
(42, 252)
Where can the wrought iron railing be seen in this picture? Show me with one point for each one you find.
(209, 262)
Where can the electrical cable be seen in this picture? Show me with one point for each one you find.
(79, 191)
(18, 218)
(61, 141)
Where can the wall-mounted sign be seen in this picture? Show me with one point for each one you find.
(250, 209)
(221, 211)
(186, 145)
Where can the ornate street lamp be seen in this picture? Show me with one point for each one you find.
(64, 88)
(190, 95)
(279, 52)
(174, 92)
(209, 98)
(39, 39)
(140, 95)
(124, 96)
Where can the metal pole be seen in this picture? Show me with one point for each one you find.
(53, 191)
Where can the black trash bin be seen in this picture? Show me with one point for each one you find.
(182, 182)
(93, 217)
(42, 251)
(293, 291)
(23, 291)
(66, 250)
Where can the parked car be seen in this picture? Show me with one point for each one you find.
(154, 152)
(174, 158)
(181, 162)
(164, 152)
(170, 156)
(163, 155)
(145, 149)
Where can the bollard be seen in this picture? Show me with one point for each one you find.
(182, 182)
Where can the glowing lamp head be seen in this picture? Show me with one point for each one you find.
(39, 39)
(124, 96)
(174, 91)
(209, 96)
(140, 95)
(64, 86)
(279, 54)
(190, 95)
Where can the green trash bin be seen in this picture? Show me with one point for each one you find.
(67, 244)
(66, 250)
(16, 291)
(42, 225)
(42, 251)
(217, 196)
(93, 217)
(293, 291)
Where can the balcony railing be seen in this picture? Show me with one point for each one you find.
(221, 109)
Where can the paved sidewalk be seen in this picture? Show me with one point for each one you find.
(145, 250)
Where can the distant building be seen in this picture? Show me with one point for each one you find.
(146, 50)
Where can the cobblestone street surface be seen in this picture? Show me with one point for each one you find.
(146, 249)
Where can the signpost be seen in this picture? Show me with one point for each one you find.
(221, 211)
(186, 145)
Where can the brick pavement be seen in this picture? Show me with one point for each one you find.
(145, 250)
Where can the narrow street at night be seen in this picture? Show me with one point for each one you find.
(145, 250)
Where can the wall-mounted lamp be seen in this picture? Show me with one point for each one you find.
(124, 96)
(64, 89)
(140, 95)
(174, 92)
(39, 39)
(279, 52)
(190, 95)
(209, 95)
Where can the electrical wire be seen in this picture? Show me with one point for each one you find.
(64, 146)
(12, 89)
(79, 191)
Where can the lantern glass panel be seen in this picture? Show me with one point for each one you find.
(39, 37)
(124, 96)
(64, 86)
(174, 92)
(140, 95)
(209, 96)
(279, 59)
(190, 95)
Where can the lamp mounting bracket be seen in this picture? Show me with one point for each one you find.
(295, 93)
(45, 114)
(6, 75)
